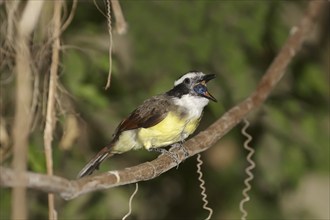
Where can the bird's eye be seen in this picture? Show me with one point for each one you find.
(200, 89)
(186, 81)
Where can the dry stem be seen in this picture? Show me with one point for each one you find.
(121, 25)
(22, 120)
(107, 86)
(50, 115)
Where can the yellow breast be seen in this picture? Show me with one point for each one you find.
(171, 129)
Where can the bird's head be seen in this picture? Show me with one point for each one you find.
(193, 83)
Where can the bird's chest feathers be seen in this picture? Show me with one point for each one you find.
(171, 129)
(176, 126)
(193, 106)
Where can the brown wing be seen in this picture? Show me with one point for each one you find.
(148, 114)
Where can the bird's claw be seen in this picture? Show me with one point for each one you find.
(169, 153)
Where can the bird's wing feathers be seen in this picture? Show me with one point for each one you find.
(149, 113)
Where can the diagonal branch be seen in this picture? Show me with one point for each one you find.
(70, 189)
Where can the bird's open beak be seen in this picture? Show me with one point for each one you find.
(206, 94)
(209, 96)
(208, 77)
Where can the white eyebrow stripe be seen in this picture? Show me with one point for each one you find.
(188, 75)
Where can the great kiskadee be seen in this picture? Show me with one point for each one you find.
(159, 121)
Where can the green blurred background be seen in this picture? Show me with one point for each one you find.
(236, 40)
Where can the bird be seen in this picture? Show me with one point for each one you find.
(160, 121)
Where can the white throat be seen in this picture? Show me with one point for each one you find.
(193, 104)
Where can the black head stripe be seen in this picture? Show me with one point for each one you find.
(178, 91)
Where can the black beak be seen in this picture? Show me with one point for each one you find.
(205, 79)
(208, 77)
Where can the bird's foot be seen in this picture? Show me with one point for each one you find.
(181, 146)
(170, 154)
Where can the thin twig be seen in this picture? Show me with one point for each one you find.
(110, 44)
(70, 189)
(201, 185)
(248, 170)
(71, 15)
(50, 114)
(130, 201)
(11, 9)
(99, 9)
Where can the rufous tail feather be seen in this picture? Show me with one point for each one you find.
(95, 162)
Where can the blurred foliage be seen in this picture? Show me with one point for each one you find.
(237, 41)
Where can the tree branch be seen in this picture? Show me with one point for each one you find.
(69, 189)
(121, 25)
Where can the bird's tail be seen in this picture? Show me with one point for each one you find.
(95, 162)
